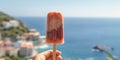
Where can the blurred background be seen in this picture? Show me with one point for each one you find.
(91, 27)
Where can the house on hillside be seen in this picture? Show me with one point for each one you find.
(11, 23)
(5, 25)
(14, 23)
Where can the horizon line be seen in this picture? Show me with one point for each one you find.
(68, 17)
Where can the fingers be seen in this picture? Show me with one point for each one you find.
(42, 57)
(39, 57)
(57, 58)
(49, 53)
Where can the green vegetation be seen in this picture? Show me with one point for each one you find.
(5, 17)
(13, 58)
(12, 31)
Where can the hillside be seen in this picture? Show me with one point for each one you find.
(10, 26)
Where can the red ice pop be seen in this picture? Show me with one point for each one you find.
(55, 30)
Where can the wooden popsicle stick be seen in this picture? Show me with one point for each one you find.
(54, 51)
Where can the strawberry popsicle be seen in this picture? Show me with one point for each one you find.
(55, 32)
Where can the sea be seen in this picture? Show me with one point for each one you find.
(81, 35)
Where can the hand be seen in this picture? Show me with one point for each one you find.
(48, 55)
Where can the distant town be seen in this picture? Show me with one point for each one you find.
(13, 42)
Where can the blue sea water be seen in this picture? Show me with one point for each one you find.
(81, 34)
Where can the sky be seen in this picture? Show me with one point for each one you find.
(69, 8)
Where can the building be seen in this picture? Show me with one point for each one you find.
(6, 25)
(26, 49)
(34, 37)
(11, 23)
(2, 50)
(6, 47)
(14, 23)
(9, 47)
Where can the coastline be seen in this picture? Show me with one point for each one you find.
(23, 44)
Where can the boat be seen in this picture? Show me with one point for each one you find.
(98, 48)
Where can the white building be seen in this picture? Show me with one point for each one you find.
(11, 23)
(14, 23)
(6, 24)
